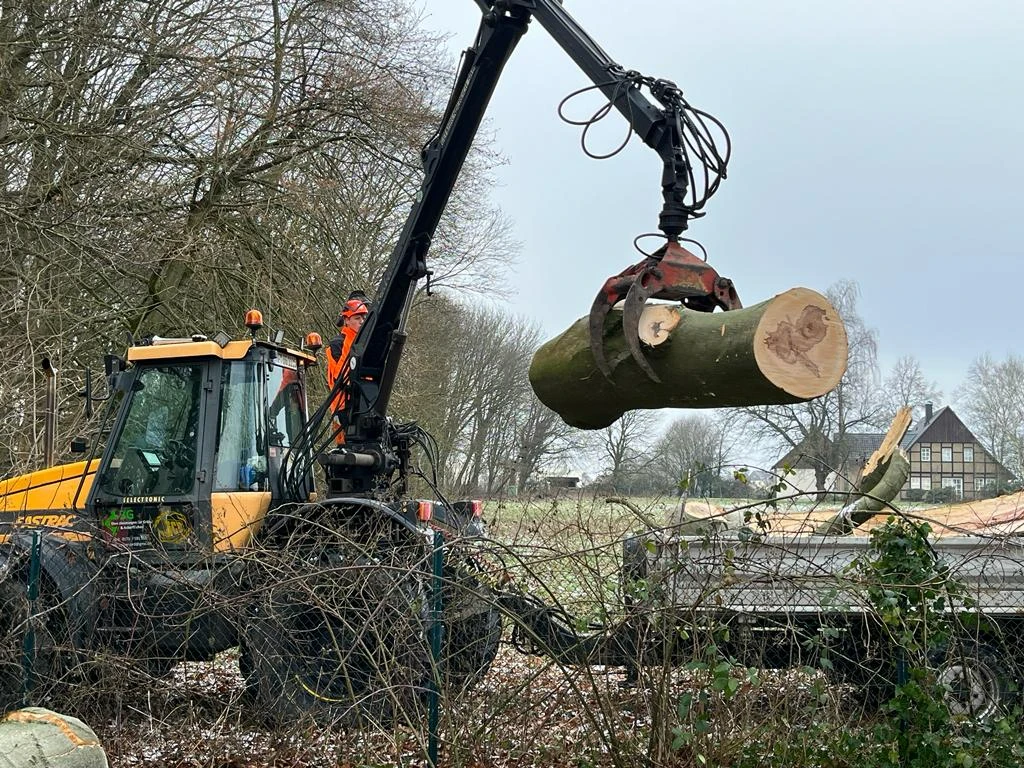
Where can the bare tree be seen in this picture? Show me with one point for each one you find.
(543, 438)
(166, 165)
(820, 426)
(993, 404)
(466, 381)
(623, 447)
(692, 451)
(906, 385)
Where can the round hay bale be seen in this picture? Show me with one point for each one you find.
(38, 738)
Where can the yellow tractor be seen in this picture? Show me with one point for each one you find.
(171, 544)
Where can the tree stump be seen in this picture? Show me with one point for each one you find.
(787, 349)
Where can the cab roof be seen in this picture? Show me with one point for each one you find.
(164, 349)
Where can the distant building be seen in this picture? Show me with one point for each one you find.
(555, 482)
(943, 453)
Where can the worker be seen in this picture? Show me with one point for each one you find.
(350, 320)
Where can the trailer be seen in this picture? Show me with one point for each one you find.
(781, 601)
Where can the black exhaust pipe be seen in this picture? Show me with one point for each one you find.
(50, 416)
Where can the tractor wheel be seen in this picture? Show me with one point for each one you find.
(346, 643)
(48, 659)
(472, 630)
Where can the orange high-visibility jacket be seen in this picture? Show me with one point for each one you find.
(337, 360)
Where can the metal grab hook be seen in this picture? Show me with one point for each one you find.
(672, 273)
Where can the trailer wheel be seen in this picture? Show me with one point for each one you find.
(348, 644)
(50, 659)
(977, 682)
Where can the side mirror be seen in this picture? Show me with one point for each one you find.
(112, 367)
(78, 445)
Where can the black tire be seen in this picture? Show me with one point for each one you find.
(347, 644)
(52, 654)
(977, 682)
(472, 630)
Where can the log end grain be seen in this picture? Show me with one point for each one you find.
(800, 343)
(657, 321)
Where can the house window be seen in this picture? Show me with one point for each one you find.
(947, 453)
(926, 482)
(926, 453)
(956, 483)
(915, 482)
(968, 453)
(980, 481)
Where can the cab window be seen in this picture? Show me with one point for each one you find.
(155, 453)
(287, 404)
(241, 465)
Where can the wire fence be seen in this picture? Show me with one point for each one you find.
(575, 632)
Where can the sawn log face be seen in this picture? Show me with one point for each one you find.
(784, 350)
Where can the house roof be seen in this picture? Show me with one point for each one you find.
(863, 444)
(917, 433)
(797, 458)
(857, 445)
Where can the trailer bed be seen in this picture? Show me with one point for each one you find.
(797, 573)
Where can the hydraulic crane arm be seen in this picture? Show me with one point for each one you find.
(672, 128)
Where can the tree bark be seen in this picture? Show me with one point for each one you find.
(892, 475)
(788, 349)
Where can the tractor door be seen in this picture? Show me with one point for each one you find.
(262, 411)
(151, 487)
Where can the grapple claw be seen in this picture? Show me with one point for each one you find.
(632, 309)
(671, 273)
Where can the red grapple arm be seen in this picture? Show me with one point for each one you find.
(671, 273)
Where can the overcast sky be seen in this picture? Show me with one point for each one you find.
(876, 141)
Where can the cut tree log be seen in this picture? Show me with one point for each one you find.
(787, 349)
(1001, 516)
(43, 739)
(893, 472)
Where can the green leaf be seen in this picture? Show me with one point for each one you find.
(684, 705)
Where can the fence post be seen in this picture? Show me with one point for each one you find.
(32, 593)
(436, 630)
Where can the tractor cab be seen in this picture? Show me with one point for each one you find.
(204, 433)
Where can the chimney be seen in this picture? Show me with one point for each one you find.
(927, 412)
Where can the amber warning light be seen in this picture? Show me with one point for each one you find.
(424, 511)
(254, 320)
(313, 342)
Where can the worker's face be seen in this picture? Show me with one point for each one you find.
(355, 322)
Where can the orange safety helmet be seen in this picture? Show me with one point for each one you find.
(352, 307)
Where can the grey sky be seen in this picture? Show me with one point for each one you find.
(872, 140)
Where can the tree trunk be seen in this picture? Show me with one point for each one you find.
(788, 349)
(874, 467)
(892, 474)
